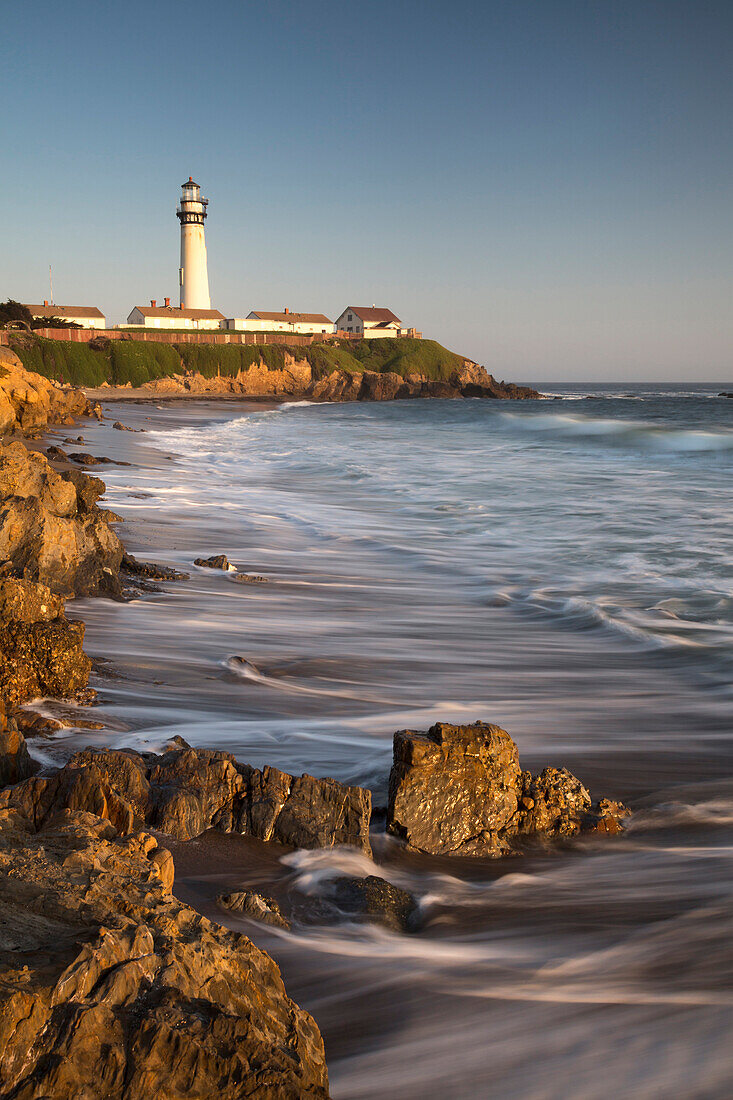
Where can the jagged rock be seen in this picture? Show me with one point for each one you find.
(51, 531)
(15, 761)
(380, 387)
(151, 569)
(454, 789)
(376, 900)
(56, 454)
(459, 790)
(40, 652)
(216, 561)
(255, 906)
(183, 792)
(114, 990)
(29, 402)
(25, 602)
(83, 458)
(339, 385)
(554, 803)
(124, 428)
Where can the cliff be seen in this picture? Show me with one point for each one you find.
(336, 370)
(29, 402)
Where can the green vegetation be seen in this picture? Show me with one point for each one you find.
(12, 311)
(137, 362)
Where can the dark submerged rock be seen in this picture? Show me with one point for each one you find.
(150, 569)
(376, 900)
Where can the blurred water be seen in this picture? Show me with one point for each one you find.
(562, 569)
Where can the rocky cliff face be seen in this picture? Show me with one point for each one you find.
(460, 790)
(29, 402)
(112, 988)
(297, 379)
(51, 530)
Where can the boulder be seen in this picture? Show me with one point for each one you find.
(459, 790)
(114, 989)
(454, 789)
(183, 792)
(216, 561)
(255, 906)
(51, 531)
(40, 652)
(150, 569)
(375, 900)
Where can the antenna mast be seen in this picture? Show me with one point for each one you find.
(50, 279)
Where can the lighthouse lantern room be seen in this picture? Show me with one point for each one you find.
(193, 273)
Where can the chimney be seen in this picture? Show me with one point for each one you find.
(286, 310)
(45, 302)
(167, 303)
(153, 303)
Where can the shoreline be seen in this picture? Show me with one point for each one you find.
(158, 632)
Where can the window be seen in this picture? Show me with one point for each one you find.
(349, 329)
(349, 318)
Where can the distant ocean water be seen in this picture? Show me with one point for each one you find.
(562, 568)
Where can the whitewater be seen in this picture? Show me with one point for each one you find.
(560, 568)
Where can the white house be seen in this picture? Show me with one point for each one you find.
(168, 316)
(260, 320)
(369, 321)
(86, 316)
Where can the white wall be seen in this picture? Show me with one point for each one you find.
(255, 324)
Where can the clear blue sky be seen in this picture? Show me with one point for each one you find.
(544, 186)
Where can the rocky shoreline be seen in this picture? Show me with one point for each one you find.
(112, 986)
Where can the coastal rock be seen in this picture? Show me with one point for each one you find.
(380, 387)
(216, 561)
(459, 790)
(40, 652)
(553, 803)
(339, 385)
(151, 570)
(15, 761)
(114, 989)
(255, 906)
(183, 792)
(29, 402)
(454, 789)
(51, 531)
(377, 901)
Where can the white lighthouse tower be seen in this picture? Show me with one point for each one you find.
(193, 274)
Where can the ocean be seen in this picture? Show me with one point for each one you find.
(560, 568)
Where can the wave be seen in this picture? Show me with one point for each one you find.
(635, 433)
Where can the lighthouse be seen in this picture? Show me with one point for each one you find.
(193, 274)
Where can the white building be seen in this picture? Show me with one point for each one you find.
(193, 275)
(86, 316)
(369, 321)
(172, 317)
(266, 321)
